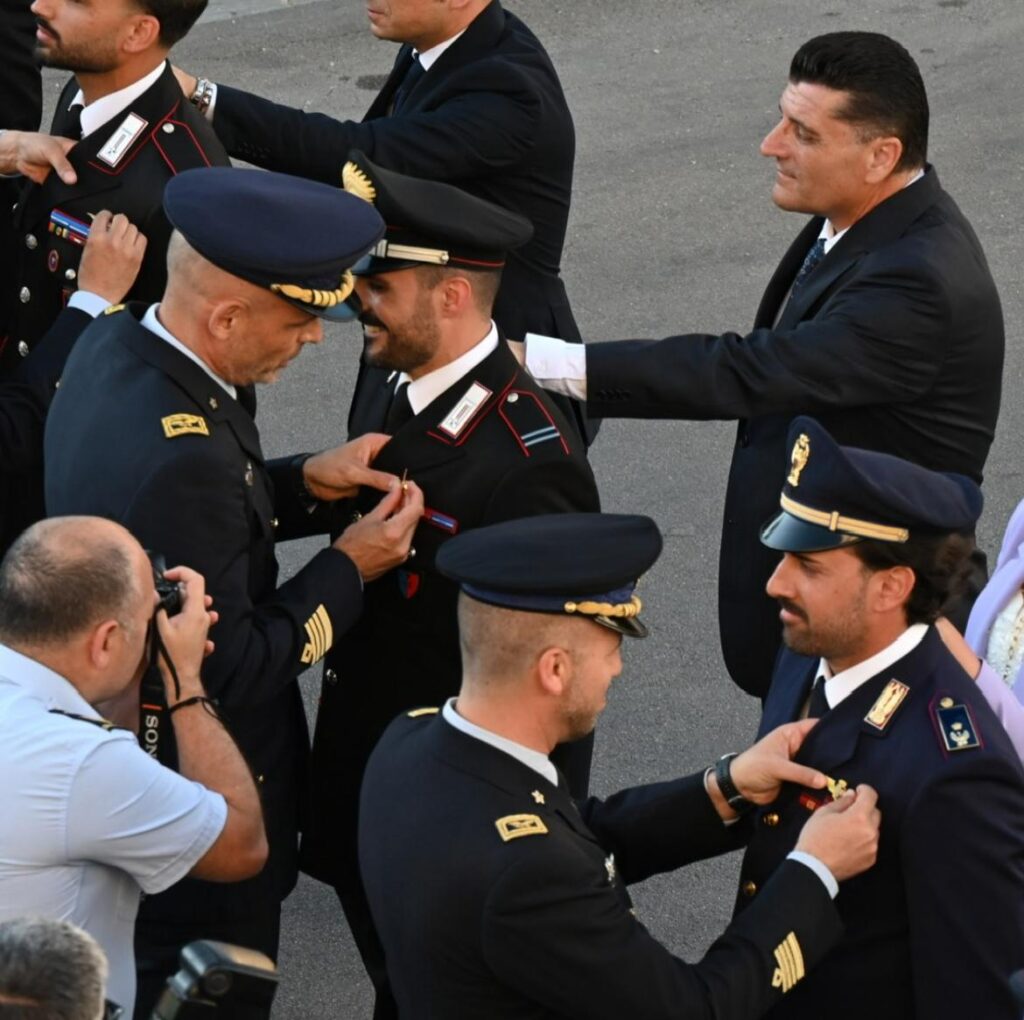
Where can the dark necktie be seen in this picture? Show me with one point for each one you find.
(400, 410)
(818, 705)
(72, 126)
(412, 76)
(811, 260)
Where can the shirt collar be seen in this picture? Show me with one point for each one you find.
(831, 238)
(429, 57)
(527, 755)
(41, 683)
(106, 108)
(154, 325)
(424, 391)
(839, 686)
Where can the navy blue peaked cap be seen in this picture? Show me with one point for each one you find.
(566, 564)
(431, 223)
(299, 238)
(835, 495)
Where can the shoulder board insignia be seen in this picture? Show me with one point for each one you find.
(417, 712)
(513, 826)
(184, 424)
(465, 410)
(104, 724)
(888, 702)
(531, 423)
(956, 726)
(790, 960)
(113, 309)
(320, 635)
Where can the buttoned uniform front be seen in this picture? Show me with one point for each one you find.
(894, 342)
(512, 457)
(90, 820)
(140, 433)
(50, 219)
(495, 896)
(489, 116)
(936, 927)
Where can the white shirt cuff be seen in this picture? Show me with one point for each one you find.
(558, 366)
(86, 301)
(820, 869)
(208, 112)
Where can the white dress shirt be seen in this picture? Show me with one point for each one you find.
(106, 108)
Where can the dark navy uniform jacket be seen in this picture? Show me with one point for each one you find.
(495, 897)
(514, 457)
(894, 343)
(141, 434)
(936, 927)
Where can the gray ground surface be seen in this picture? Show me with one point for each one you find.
(672, 231)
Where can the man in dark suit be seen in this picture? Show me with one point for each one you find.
(882, 319)
(873, 548)
(485, 444)
(495, 894)
(255, 262)
(472, 99)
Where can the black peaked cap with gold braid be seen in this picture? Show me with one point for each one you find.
(431, 223)
(296, 237)
(836, 495)
(583, 565)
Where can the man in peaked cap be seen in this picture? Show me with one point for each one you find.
(153, 427)
(494, 892)
(484, 443)
(873, 548)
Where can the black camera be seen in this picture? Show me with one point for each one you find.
(217, 977)
(168, 592)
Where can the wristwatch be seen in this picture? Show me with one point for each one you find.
(733, 797)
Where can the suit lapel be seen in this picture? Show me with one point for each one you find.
(785, 273)
(381, 105)
(790, 688)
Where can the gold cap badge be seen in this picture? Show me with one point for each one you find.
(798, 459)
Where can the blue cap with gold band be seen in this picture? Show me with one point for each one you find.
(579, 565)
(836, 495)
(295, 237)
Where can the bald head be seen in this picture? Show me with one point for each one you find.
(191, 277)
(64, 575)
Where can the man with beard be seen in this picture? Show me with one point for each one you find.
(483, 442)
(873, 548)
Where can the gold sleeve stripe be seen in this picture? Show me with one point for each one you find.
(320, 636)
(790, 962)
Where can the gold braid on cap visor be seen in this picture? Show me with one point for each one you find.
(317, 298)
(621, 610)
(835, 521)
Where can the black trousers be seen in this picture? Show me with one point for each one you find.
(158, 944)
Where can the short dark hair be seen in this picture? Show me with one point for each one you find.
(485, 282)
(941, 563)
(54, 584)
(49, 970)
(887, 94)
(176, 17)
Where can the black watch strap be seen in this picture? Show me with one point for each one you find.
(306, 499)
(723, 776)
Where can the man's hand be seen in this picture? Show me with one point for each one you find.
(843, 835)
(339, 473)
(383, 538)
(111, 256)
(188, 82)
(184, 635)
(34, 154)
(960, 649)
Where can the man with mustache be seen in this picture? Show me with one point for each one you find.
(153, 427)
(484, 443)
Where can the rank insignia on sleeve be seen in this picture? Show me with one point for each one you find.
(790, 962)
(417, 712)
(513, 826)
(184, 424)
(320, 635)
(888, 702)
(956, 727)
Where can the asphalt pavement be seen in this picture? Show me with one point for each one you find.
(672, 231)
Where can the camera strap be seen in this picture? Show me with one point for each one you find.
(153, 714)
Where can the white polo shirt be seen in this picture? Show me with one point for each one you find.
(87, 819)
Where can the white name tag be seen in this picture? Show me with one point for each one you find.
(121, 140)
(462, 413)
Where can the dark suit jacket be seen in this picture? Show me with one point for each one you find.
(175, 138)
(541, 925)
(935, 928)
(203, 495)
(894, 343)
(514, 458)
